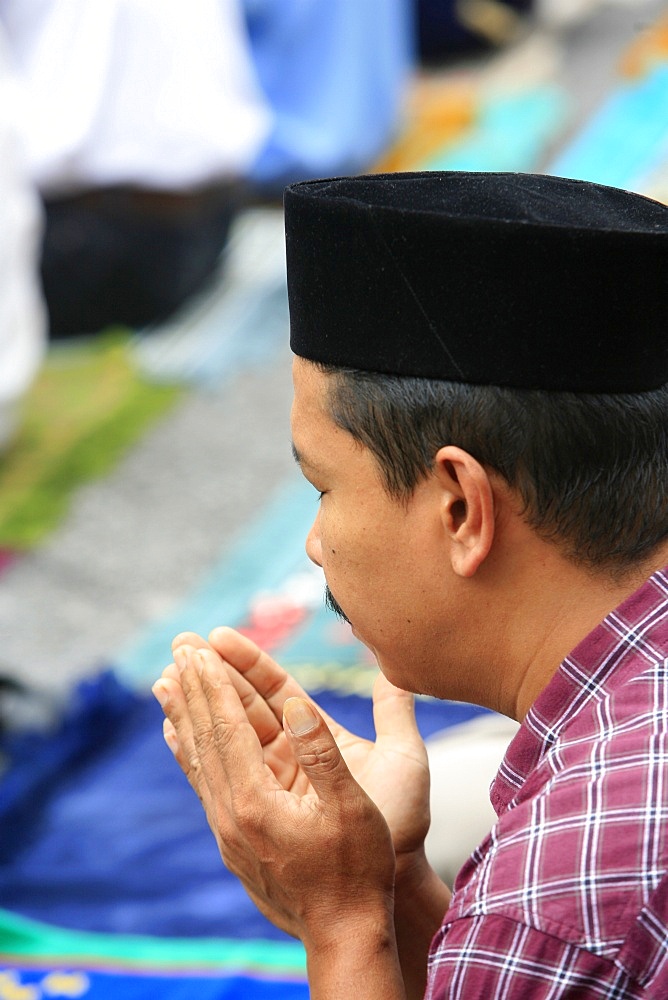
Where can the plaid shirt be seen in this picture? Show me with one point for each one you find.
(568, 895)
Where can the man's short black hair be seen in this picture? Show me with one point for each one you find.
(591, 469)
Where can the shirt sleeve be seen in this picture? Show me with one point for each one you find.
(497, 956)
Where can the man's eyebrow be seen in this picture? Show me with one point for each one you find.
(295, 454)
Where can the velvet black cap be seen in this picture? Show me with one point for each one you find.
(520, 280)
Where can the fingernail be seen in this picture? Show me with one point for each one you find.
(181, 657)
(161, 693)
(299, 716)
(170, 736)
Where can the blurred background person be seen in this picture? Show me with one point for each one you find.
(148, 124)
(140, 118)
(22, 315)
(335, 74)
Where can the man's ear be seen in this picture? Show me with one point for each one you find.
(467, 508)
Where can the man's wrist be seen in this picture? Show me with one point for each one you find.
(412, 872)
(421, 901)
(417, 886)
(356, 956)
(364, 918)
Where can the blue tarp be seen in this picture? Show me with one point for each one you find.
(335, 76)
(100, 831)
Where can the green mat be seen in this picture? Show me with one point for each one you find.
(34, 941)
(88, 405)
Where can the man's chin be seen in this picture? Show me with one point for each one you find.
(361, 639)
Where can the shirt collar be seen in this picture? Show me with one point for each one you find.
(625, 635)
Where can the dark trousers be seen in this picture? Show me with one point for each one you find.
(123, 256)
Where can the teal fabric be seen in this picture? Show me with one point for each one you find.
(626, 139)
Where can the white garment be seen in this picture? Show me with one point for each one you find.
(155, 93)
(22, 313)
(463, 762)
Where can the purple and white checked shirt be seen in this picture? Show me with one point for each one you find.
(568, 895)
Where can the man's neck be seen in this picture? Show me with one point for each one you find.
(568, 603)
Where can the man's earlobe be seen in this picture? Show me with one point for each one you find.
(467, 504)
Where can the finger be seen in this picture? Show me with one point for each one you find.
(261, 716)
(268, 680)
(229, 743)
(177, 728)
(317, 753)
(394, 717)
(222, 757)
(170, 735)
(192, 639)
(171, 739)
(171, 672)
(265, 718)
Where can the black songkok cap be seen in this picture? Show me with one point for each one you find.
(520, 280)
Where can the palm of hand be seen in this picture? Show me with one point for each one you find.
(392, 771)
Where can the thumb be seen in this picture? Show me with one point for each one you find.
(314, 746)
(394, 712)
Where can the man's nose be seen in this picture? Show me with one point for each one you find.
(313, 544)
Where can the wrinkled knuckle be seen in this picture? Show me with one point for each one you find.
(221, 733)
(187, 683)
(203, 737)
(220, 824)
(248, 820)
(324, 758)
(247, 697)
(246, 812)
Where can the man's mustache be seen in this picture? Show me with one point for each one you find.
(333, 605)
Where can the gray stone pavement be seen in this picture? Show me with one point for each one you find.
(137, 541)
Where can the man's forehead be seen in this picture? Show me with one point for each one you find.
(310, 419)
(311, 393)
(317, 439)
(307, 375)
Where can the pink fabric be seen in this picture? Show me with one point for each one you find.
(568, 896)
(7, 557)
